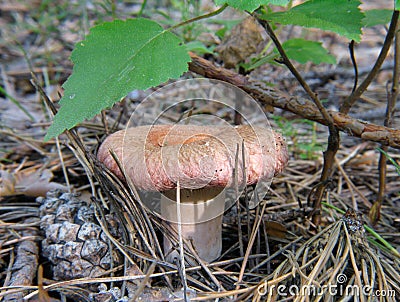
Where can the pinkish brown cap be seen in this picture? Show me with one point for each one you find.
(156, 157)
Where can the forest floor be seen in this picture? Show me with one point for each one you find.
(39, 36)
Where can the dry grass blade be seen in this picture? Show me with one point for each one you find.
(182, 265)
(335, 264)
(141, 245)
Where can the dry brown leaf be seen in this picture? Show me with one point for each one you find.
(31, 183)
(241, 43)
(368, 158)
(275, 229)
(134, 270)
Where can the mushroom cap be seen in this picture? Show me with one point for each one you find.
(156, 157)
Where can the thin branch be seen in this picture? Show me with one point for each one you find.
(334, 137)
(198, 18)
(297, 105)
(390, 108)
(354, 62)
(349, 102)
(395, 85)
(293, 70)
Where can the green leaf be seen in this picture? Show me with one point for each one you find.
(340, 16)
(198, 47)
(250, 5)
(227, 25)
(257, 62)
(391, 159)
(116, 58)
(397, 5)
(377, 16)
(304, 51)
(279, 2)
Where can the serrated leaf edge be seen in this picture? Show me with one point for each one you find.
(50, 135)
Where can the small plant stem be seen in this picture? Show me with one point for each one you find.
(329, 159)
(13, 100)
(235, 181)
(142, 8)
(18, 104)
(374, 213)
(293, 70)
(333, 139)
(369, 230)
(395, 84)
(354, 62)
(392, 161)
(198, 18)
(104, 121)
(349, 102)
(254, 231)
(181, 248)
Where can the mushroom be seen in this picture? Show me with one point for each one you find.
(205, 161)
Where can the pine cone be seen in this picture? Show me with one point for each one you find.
(74, 243)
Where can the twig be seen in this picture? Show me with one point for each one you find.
(286, 61)
(353, 60)
(205, 267)
(6, 92)
(254, 231)
(181, 248)
(16, 103)
(349, 102)
(115, 190)
(298, 105)
(235, 177)
(352, 187)
(277, 253)
(374, 214)
(144, 282)
(354, 263)
(198, 18)
(333, 139)
(35, 83)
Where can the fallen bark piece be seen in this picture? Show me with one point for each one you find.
(26, 263)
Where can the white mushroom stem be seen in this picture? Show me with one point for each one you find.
(201, 221)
